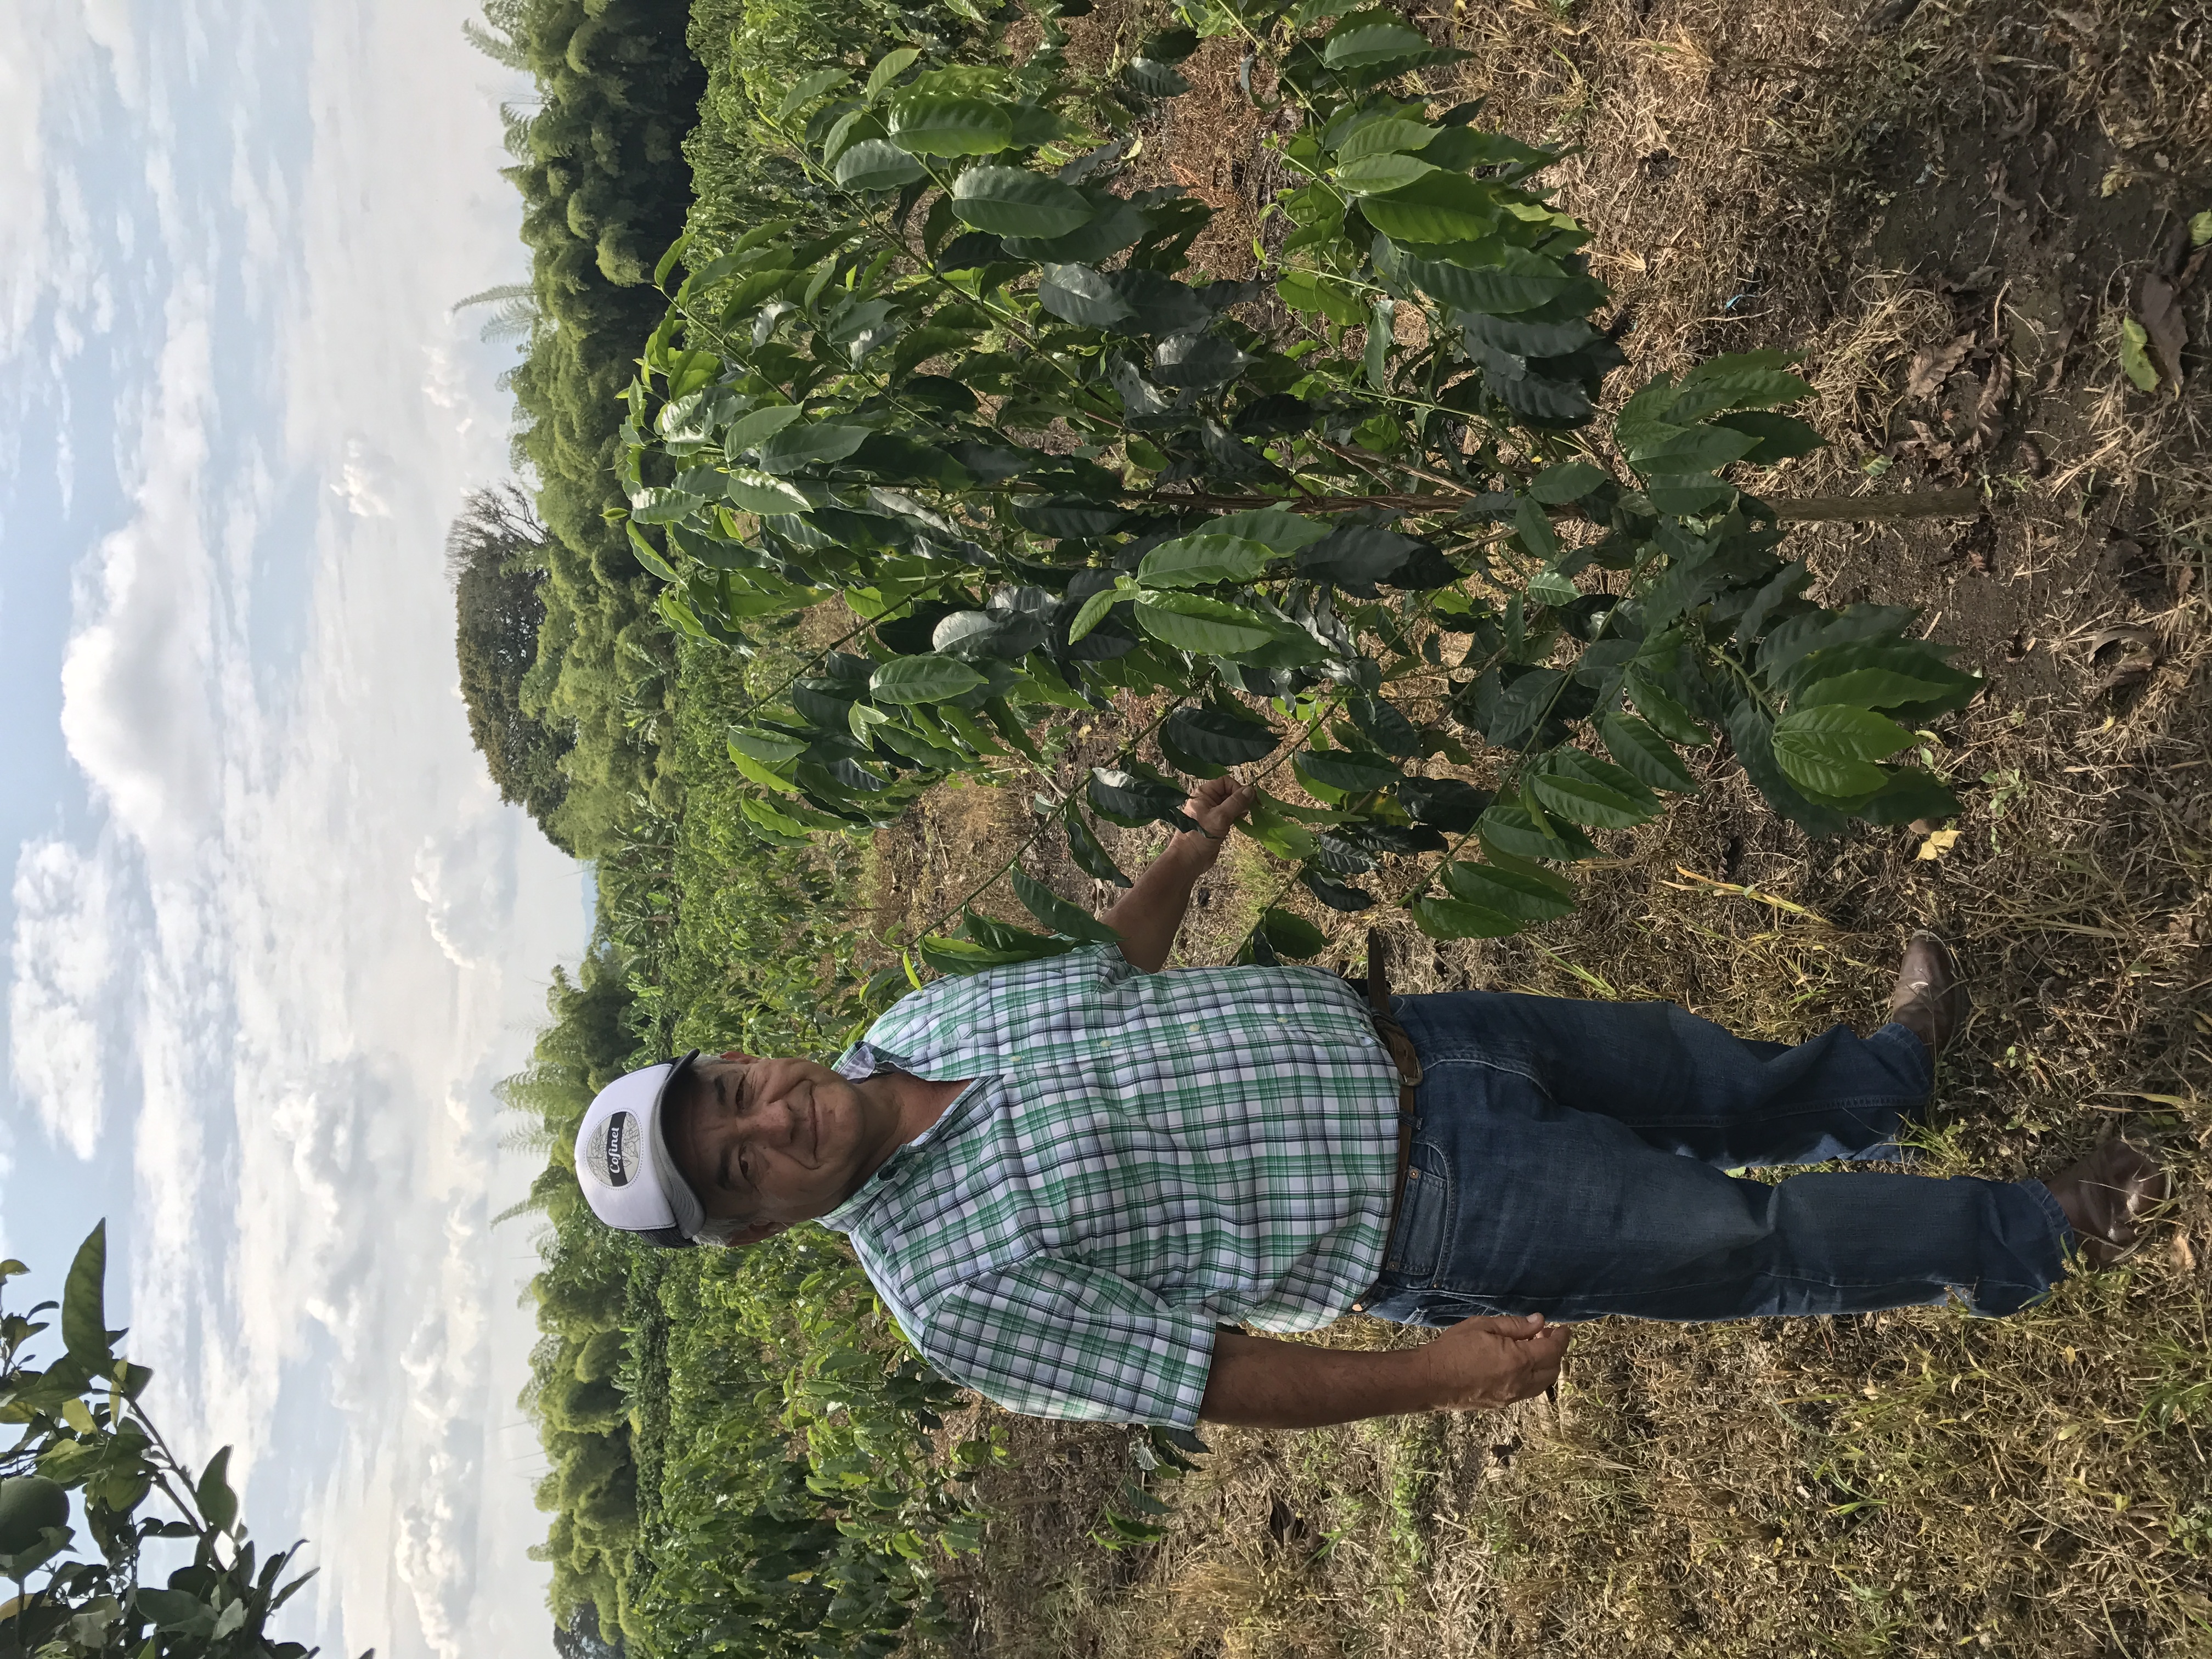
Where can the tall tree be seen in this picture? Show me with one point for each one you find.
(495, 554)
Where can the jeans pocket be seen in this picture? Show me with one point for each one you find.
(1418, 1238)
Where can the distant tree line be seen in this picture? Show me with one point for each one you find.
(599, 164)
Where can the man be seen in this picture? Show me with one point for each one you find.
(1068, 1178)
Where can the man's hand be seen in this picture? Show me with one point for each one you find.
(1148, 914)
(1218, 803)
(1478, 1364)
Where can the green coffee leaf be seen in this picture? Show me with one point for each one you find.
(1057, 914)
(1662, 710)
(877, 164)
(217, 1502)
(751, 490)
(1569, 481)
(1291, 936)
(1078, 295)
(1016, 202)
(1514, 829)
(1829, 749)
(1131, 798)
(1089, 854)
(1378, 41)
(1645, 755)
(1592, 792)
(922, 680)
(888, 69)
(807, 88)
(1372, 174)
(1203, 560)
(1211, 628)
(1220, 737)
(757, 426)
(1509, 281)
(1384, 137)
(1525, 898)
(1337, 895)
(1347, 771)
(1280, 834)
(1441, 208)
(948, 127)
(1451, 918)
(1094, 611)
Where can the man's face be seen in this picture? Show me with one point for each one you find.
(770, 1143)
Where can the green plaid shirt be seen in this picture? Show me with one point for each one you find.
(1141, 1157)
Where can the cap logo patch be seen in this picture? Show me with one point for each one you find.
(610, 1154)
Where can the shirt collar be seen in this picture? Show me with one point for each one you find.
(848, 1215)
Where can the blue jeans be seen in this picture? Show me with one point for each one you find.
(1571, 1159)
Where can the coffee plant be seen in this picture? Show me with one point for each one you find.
(87, 1450)
(980, 395)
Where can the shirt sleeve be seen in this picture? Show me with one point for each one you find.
(1049, 1338)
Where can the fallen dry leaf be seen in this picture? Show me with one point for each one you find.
(1932, 366)
(2182, 1254)
(1990, 402)
(1938, 844)
(2161, 316)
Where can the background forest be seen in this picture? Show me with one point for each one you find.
(743, 1457)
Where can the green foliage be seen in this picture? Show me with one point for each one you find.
(87, 1452)
(1156, 498)
(599, 165)
(496, 554)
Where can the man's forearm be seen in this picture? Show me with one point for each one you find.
(1478, 1364)
(1260, 1383)
(1148, 915)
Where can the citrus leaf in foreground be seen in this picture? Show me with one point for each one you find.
(922, 680)
(84, 1300)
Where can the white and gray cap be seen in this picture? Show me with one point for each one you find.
(622, 1160)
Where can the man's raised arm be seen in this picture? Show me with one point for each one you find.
(1148, 914)
(1478, 1364)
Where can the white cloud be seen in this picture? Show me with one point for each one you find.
(60, 1022)
(465, 880)
(139, 709)
(360, 482)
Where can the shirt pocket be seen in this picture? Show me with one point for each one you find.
(1419, 1237)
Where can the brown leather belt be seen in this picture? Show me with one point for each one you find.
(1402, 1051)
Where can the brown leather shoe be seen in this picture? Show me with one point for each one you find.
(2106, 1194)
(1929, 1001)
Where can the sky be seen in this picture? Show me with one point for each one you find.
(271, 938)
